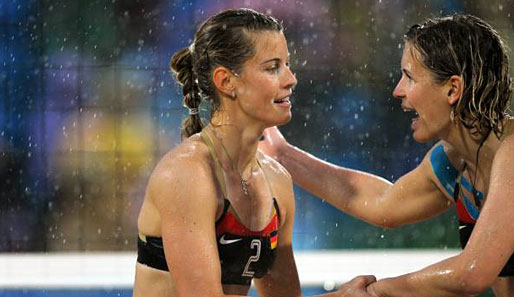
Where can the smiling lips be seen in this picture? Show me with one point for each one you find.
(284, 102)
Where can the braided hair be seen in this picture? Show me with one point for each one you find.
(222, 40)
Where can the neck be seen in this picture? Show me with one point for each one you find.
(467, 145)
(240, 141)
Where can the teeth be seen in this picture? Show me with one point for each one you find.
(411, 110)
(281, 100)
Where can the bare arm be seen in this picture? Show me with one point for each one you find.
(412, 198)
(188, 224)
(489, 247)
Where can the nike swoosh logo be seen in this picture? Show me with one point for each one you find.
(228, 241)
(462, 226)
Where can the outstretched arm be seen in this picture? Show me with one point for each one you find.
(489, 247)
(412, 198)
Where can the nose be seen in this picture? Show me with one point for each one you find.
(399, 91)
(290, 79)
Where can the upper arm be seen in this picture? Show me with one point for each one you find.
(186, 198)
(282, 279)
(492, 240)
(418, 194)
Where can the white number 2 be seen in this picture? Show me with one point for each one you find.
(255, 258)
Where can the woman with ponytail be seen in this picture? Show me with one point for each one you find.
(217, 213)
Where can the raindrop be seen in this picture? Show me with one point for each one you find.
(329, 285)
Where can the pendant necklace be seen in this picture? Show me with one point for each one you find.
(244, 183)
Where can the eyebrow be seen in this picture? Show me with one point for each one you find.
(407, 72)
(271, 60)
(276, 59)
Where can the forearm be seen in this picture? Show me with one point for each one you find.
(444, 279)
(355, 192)
(332, 294)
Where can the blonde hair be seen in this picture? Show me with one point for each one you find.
(467, 46)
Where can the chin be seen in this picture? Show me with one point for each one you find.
(422, 138)
(285, 120)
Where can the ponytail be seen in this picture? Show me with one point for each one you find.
(182, 65)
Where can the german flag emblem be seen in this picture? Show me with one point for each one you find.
(274, 239)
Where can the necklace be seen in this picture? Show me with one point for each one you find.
(244, 182)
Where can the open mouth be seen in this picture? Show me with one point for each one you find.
(415, 117)
(412, 112)
(283, 100)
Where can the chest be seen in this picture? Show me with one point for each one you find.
(245, 254)
(468, 198)
(466, 188)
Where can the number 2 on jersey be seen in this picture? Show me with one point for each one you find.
(256, 243)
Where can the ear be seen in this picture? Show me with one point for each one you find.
(455, 89)
(223, 80)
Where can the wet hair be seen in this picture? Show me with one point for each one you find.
(222, 40)
(467, 46)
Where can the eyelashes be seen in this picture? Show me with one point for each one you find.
(276, 67)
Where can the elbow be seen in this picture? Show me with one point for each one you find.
(391, 224)
(472, 282)
(387, 223)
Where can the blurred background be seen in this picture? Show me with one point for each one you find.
(88, 106)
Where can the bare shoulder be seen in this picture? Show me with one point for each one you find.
(442, 158)
(444, 150)
(506, 149)
(187, 164)
(509, 129)
(441, 166)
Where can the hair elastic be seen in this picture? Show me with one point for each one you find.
(193, 111)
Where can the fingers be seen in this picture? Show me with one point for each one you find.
(363, 280)
(357, 286)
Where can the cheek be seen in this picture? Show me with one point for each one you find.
(269, 86)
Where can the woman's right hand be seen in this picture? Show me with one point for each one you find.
(273, 143)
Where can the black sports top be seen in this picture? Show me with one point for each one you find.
(244, 254)
(468, 208)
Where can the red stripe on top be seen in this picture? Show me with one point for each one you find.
(229, 224)
(462, 212)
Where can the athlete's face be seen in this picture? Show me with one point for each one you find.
(421, 94)
(266, 81)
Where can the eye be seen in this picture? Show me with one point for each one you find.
(406, 74)
(273, 68)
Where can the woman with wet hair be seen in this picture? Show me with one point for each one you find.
(455, 78)
(217, 213)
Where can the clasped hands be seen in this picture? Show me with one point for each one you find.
(358, 287)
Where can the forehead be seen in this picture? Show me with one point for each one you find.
(269, 45)
(411, 59)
